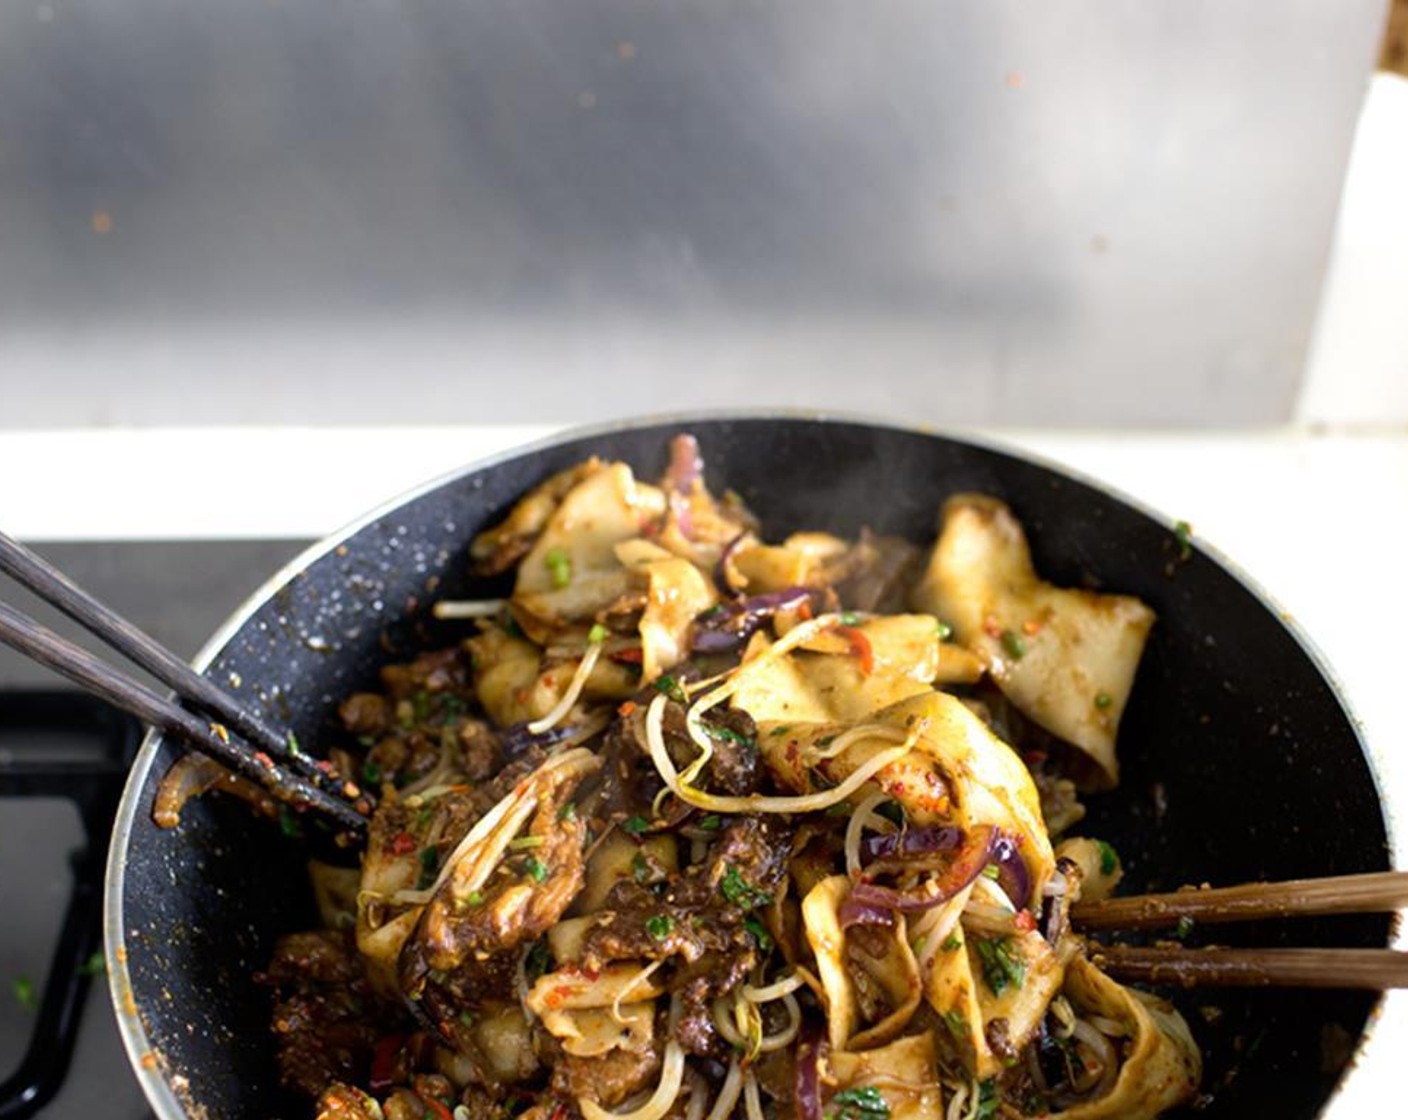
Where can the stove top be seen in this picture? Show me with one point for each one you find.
(63, 759)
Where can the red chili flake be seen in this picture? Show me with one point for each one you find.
(1031, 628)
(991, 627)
(521, 696)
(804, 610)
(403, 845)
(627, 708)
(264, 760)
(1024, 921)
(632, 655)
(860, 646)
(383, 1073)
(548, 681)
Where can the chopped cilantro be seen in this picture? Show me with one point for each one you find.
(1002, 962)
(728, 735)
(635, 825)
(1184, 927)
(537, 870)
(1109, 859)
(759, 932)
(640, 868)
(1013, 644)
(739, 892)
(25, 995)
(1183, 534)
(783, 730)
(559, 566)
(671, 688)
(987, 1100)
(711, 822)
(864, 1103)
(945, 631)
(466, 1017)
(951, 942)
(371, 773)
(429, 866)
(568, 812)
(659, 926)
(474, 898)
(1103, 700)
(293, 747)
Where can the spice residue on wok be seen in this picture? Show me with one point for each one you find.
(695, 826)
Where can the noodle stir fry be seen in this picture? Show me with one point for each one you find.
(696, 826)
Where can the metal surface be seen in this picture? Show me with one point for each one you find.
(1239, 759)
(960, 211)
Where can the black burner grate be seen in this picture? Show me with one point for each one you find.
(66, 746)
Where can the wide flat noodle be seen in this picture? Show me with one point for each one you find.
(902, 1072)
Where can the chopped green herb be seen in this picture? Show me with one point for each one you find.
(95, 965)
(991, 872)
(759, 932)
(597, 634)
(536, 962)
(568, 812)
(864, 1103)
(826, 740)
(466, 1017)
(711, 821)
(1013, 644)
(659, 926)
(640, 867)
(371, 773)
(474, 898)
(951, 942)
(957, 1023)
(559, 566)
(293, 747)
(783, 730)
(1183, 534)
(1109, 858)
(945, 631)
(1103, 700)
(423, 817)
(728, 735)
(987, 1100)
(850, 618)
(713, 612)
(1184, 927)
(537, 870)
(671, 688)
(25, 995)
(1003, 964)
(526, 843)
(635, 825)
(289, 824)
(739, 892)
(429, 866)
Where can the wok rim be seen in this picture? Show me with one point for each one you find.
(144, 1057)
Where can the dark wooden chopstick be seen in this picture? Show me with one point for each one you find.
(97, 676)
(32, 571)
(1373, 892)
(1370, 969)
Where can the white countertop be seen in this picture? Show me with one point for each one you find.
(1317, 516)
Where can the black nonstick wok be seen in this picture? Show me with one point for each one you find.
(1239, 760)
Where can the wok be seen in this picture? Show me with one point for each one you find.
(1239, 759)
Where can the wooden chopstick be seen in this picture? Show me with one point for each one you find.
(32, 571)
(95, 675)
(1371, 969)
(1373, 892)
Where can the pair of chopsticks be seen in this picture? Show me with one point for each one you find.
(1373, 969)
(224, 730)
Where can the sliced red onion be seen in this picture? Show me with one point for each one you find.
(517, 740)
(686, 466)
(968, 863)
(721, 568)
(1012, 875)
(728, 626)
(854, 912)
(909, 842)
(808, 1079)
